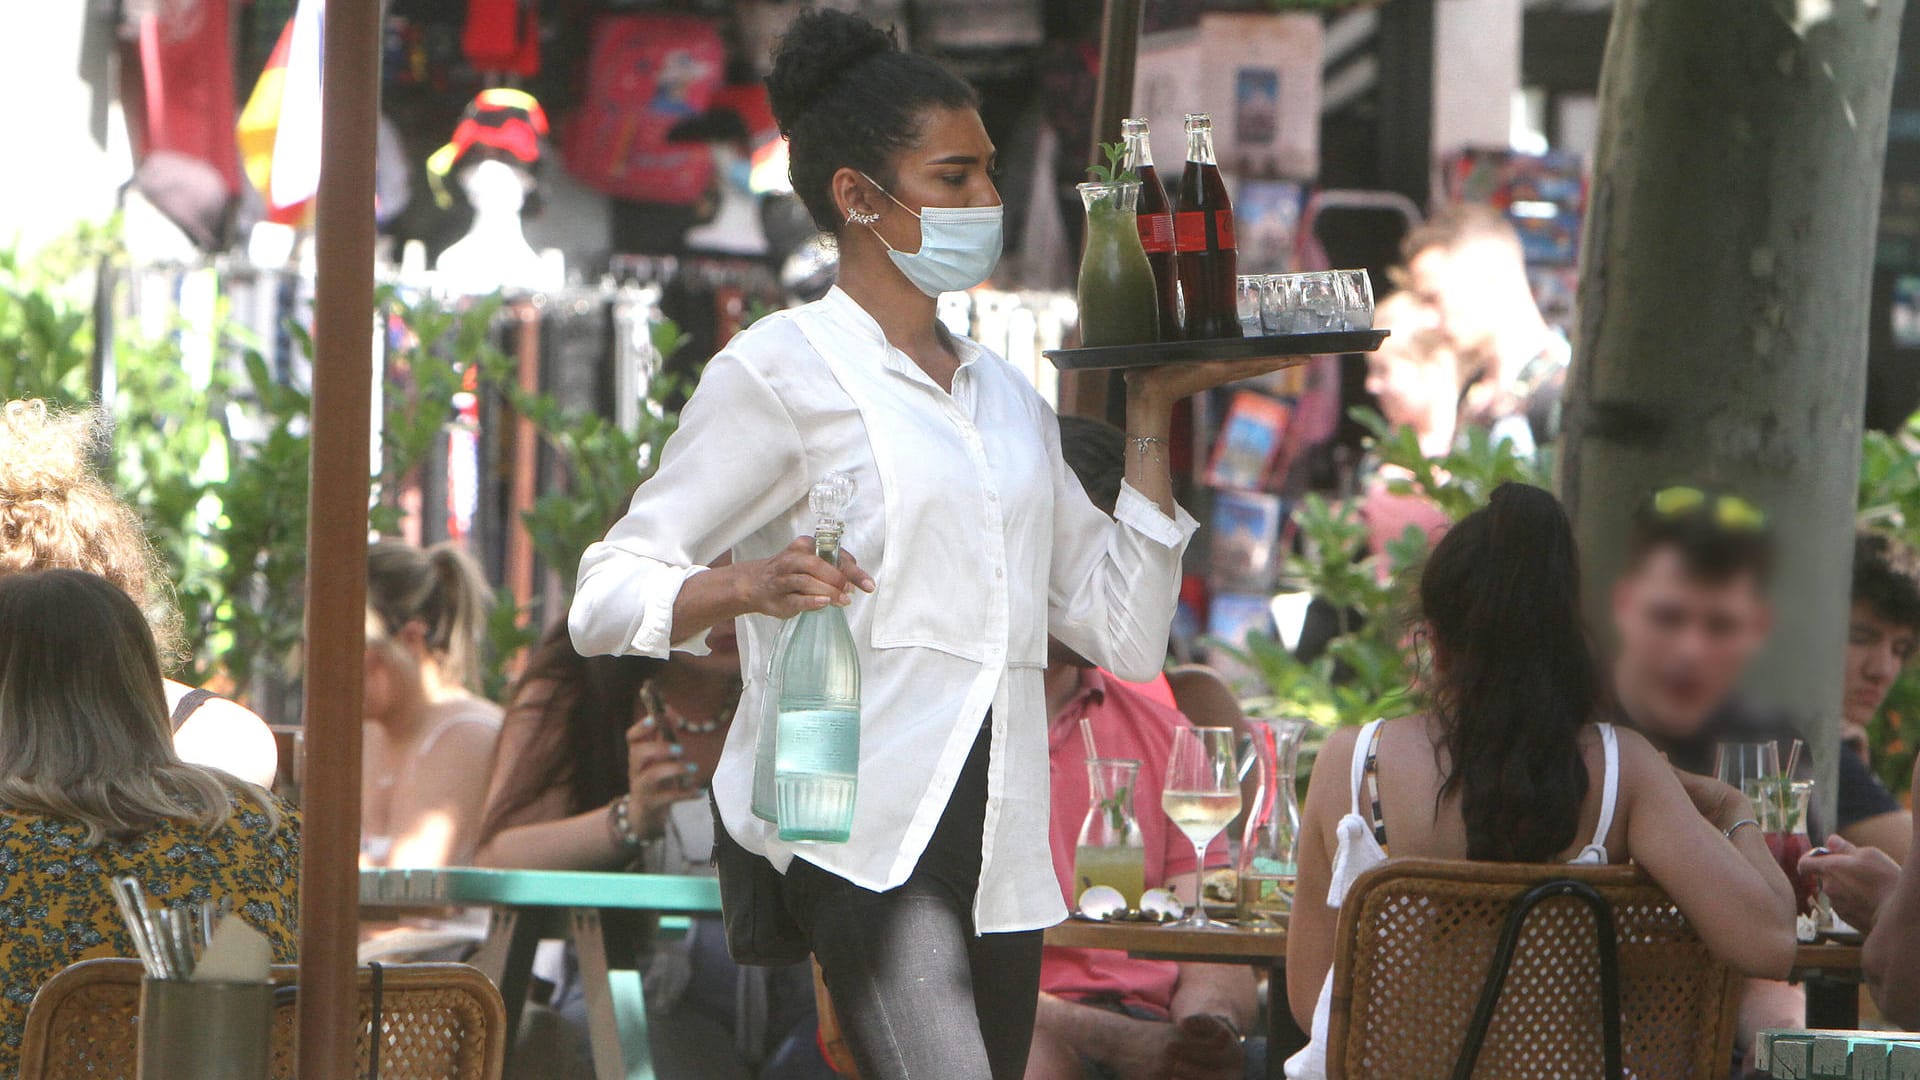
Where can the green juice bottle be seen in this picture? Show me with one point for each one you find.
(816, 744)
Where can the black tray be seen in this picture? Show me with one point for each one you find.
(1186, 352)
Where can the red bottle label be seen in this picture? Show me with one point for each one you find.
(1156, 232)
(1190, 228)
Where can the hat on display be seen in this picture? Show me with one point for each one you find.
(506, 121)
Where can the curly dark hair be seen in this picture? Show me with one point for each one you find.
(846, 96)
(1886, 577)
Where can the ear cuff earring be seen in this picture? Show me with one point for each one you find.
(862, 217)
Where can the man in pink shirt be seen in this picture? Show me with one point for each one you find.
(1102, 1013)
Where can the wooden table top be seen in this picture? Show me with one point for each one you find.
(1232, 945)
(1226, 945)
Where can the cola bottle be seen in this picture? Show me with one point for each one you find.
(1203, 239)
(1154, 214)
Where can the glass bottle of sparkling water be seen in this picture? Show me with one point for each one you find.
(817, 744)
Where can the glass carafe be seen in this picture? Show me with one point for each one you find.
(1119, 303)
(1270, 847)
(817, 743)
(1781, 803)
(1109, 851)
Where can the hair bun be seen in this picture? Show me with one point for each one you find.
(817, 49)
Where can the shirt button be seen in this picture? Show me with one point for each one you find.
(999, 573)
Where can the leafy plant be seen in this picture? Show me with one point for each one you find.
(1116, 170)
(1889, 500)
(216, 456)
(1370, 666)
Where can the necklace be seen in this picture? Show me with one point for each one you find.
(668, 718)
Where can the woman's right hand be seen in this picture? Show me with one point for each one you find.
(798, 580)
(658, 775)
(1718, 802)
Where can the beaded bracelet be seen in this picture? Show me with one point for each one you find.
(620, 821)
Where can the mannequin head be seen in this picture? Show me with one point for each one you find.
(495, 187)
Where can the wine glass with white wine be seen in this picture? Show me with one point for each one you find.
(1202, 794)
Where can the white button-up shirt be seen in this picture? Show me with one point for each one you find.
(980, 542)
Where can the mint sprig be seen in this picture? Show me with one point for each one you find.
(1115, 171)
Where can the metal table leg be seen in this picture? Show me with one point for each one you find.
(1284, 1037)
(1833, 1005)
(616, 1003)
(506, 958)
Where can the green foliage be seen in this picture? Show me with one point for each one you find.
(1370, 666)
(1889, 501)
(227, 508)
(46, 326)
(1115, 171)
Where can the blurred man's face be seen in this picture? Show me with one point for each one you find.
(1684, 642)
(1459, 286)
(1877, 651)
(1412, 393)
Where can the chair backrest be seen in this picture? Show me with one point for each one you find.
(438, 1022)
(1415, 945)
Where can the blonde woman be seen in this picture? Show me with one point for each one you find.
(91, 788)
(56, 514)
(429, 737)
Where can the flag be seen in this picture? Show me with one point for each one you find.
(279, 130)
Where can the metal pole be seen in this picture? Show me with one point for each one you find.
(337, 541)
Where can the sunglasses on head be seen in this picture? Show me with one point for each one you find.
(1730, 512)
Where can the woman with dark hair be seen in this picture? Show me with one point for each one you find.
(927, 921)
(1508, 764)
(604, 763)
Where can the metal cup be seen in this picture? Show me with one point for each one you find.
(205, 1030)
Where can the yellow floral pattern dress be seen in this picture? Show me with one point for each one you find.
(56, 908)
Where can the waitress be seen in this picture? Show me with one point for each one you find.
(927, 922)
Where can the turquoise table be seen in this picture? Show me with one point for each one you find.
(606, 916)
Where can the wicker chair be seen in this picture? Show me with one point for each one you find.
(438, 1022)
(1417, 939)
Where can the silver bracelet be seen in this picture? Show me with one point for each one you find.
(1144, 443)
(1735, 827)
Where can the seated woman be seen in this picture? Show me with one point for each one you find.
(55, 514)
(429, 737)
(604, 763)
(1509, 765)
(91, 789)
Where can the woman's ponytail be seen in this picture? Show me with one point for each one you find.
(441, 588)
(1515, 677)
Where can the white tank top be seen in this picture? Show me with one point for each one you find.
(1359, 850)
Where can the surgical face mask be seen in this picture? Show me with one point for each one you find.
(959, 246)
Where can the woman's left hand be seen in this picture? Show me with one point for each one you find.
(1171, 382)
(1857, 879)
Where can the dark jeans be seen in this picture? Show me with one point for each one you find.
(920, 996)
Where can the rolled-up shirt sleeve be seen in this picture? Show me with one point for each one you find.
(1115, 581)
(735, 463)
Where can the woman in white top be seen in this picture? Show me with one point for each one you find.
(429, 739)
(1508, 765)
(979, 540)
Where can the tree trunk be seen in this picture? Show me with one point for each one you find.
(1724, 295)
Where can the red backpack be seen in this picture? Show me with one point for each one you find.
(646, 74)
